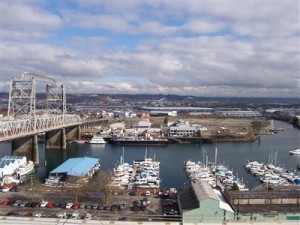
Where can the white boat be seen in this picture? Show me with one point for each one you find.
(9, 180)
(96, 140)
(295, 152)
(79, 141)
(25, 169)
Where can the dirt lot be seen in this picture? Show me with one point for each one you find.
(221, 128)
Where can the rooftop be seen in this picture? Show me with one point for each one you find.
(203, 190)
(76, 166)
(267, 208)
(265, 194)
(187, 199)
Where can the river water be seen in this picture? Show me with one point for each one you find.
(172, 157)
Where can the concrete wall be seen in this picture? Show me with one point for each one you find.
(72, 133)
(56, 139)
(27, 146)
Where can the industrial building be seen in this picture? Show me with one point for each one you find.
(78, 167)
(280, 204)
(202, 203)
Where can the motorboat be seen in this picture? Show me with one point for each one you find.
(295, 152)
(96, 140)
(25, 169)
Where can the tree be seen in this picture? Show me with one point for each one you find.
(77, 186)
(102, 184)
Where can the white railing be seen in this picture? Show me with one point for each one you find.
(14, 128)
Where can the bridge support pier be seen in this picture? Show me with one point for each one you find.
(56, 139)
(27, 146)
(72, 133)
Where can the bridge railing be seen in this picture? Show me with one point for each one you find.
(14, 128)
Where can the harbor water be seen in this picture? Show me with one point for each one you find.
(172, 156)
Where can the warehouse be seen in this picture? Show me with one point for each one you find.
(202, 203)
(77, 167)
(282, 203)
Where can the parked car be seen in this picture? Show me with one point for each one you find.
(94, 206)
(69, 205)
(17, 203)
(60, 215)
(29, 214)
(28, 204)
(74, 215)
(50, 204)
(114, 207)
(62, 205)
(43, 204)
(122, 206)
(5, 202)
(23, 204)
(88, 216)
(12, 214)
(82, 206)
(100, 207)
(76, 205)
(34, 204)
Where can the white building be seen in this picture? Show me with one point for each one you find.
(182, 130)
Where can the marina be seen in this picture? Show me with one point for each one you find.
(173, 156)
(142, 175)
(273, 175)
(216, 175)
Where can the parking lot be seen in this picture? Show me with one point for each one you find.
(54, 204)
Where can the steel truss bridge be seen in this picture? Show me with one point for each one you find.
(23, 117)
(18, 128)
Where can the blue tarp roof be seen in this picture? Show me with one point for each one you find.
(76, 166)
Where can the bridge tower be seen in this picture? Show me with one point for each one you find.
(22, 96)
(22, 105)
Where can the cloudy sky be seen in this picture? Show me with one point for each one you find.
(201, 48)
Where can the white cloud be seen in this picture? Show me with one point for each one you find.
(22, 21)
(207, 48)
(200, 26)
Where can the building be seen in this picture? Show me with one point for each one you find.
(180, 129)
(163, 113)
(280, 204)
(201, 203)
(238, 113)
(76, 167)
(179, 109)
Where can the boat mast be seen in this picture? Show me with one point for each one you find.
(216, 155)
(203, 156)
(123, 156)
(145, 154)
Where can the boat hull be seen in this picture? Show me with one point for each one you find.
(139, 143)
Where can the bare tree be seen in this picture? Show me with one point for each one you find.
(77, 186)
(102, 184)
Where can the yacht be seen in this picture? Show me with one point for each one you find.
(25, 169)
(96, 140)
(295, 152)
